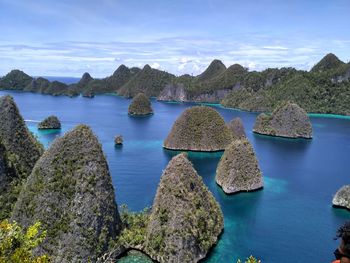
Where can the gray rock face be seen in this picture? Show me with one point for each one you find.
(186, 220)
(177, 92)
(237, 128)
(238, 169)
(287, 120)
(18, 154)
(342, 197)
(51, 122)
(199, 128)
(70, 191)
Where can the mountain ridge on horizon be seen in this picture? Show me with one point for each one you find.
(233, 86)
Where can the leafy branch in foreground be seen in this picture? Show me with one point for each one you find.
(17, 244)
(251, 259)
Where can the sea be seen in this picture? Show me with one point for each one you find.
(290, 220)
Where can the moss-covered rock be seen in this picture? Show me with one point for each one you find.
(342, 197)
(70, 191)
(140, 105)
(238, 169)
(199, 128)
(186, 220)
(330, 61)
(237, 128)
(287, 120)
(20, 151)
(51, 122)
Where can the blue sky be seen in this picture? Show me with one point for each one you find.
(68, 38)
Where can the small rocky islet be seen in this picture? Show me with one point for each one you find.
(51, 122)
(342, 197)
(199, 128)
(237, 128)
(118, 140)
(140, 106)
(238, 169)
(287, 120)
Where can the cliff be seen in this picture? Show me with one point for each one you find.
(70, 191)
(19, 152)
(186, 220)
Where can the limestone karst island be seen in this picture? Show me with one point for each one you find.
(214, 131)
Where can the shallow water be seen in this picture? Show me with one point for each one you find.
(290, 220)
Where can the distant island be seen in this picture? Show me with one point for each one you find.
(323, 89)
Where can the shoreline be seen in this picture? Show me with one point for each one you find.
(218, 105)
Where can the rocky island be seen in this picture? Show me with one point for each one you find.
(199, 128)
(186, 220)
(287, 120)
(51, 122)
(237, 128)
(140, 106)
(238, 169)
(118, 140)
(70, 191)
(342, 197)
(19, 151)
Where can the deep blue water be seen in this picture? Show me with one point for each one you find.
(290, 220)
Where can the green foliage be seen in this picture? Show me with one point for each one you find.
(17, 245)
(251, 259)
(135, 224)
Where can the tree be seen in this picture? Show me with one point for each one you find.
(17, 244)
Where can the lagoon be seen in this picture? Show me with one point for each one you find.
(290, 220)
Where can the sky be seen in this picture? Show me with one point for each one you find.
(70, 37)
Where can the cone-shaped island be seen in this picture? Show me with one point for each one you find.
(70, 192)
(238, 169)
(186, 220)
(140, 106)
(199, 128)
(287, 120)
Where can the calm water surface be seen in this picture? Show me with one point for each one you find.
(290, 220)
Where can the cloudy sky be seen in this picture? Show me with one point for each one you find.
(70, 37)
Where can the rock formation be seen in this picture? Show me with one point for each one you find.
(19, 152)
(118, 140)
(238, 169)
(140, 105)
(199, 128)
(342, 197)
(51, 122)
(287, 120)
(186, 220)
(237, 128)
(70, 192)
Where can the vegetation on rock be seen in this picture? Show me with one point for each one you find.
(342, 197)
(287, 120)
(18, 245)
(199, 128)
(238, 169)
(237, 128)
(118, 140)
(70, 191)
(51, 122)
(186, 220)
(19, 151)
(140, 105)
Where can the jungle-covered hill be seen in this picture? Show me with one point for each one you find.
(323, 89)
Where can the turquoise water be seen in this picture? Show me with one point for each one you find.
(289, 221)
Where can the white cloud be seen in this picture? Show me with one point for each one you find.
(155, 65)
